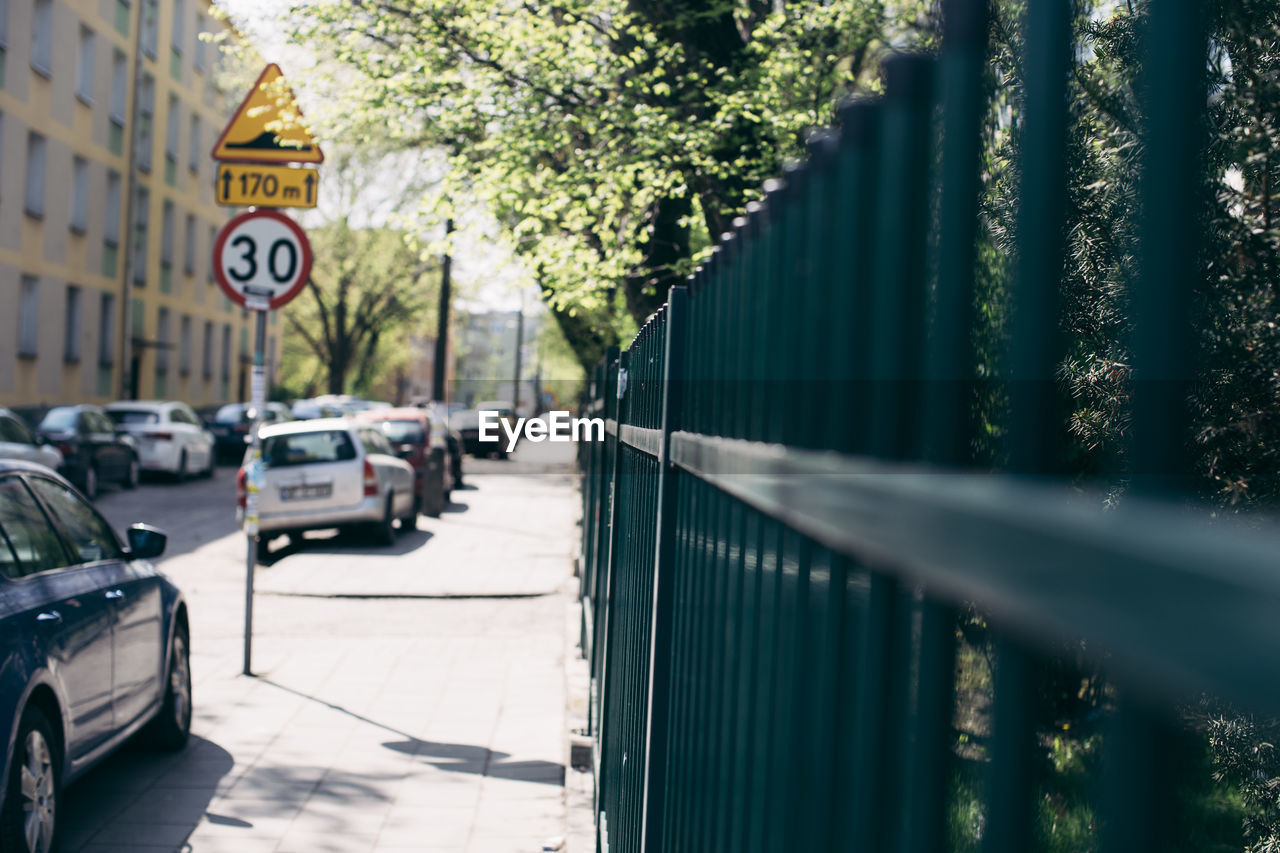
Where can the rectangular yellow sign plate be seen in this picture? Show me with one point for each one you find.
(259, 185)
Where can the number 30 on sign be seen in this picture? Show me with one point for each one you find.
(261, 259)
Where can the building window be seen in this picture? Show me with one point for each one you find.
(194, 153)
(207, 360)
(119, 79)
(150, 27)
(184, 346)
(208, 256)
(84, 67)
(4, 23)
(226, 351)
(162, 341)
(166, 247)
(171, 129)
(71, 347)
(111, 228)
(42, 38)
(107, 331)
(80, 194)
(198, 55)
(35, 174)
(146, 109)
(189, 245)
(29, 316)
(140, 223)
(179, 12)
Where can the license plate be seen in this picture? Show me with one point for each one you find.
(311, 490)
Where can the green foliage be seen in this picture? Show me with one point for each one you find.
(614, 139)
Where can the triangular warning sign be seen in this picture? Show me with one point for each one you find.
(268, 127)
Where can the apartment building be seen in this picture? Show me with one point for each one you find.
(108, 112)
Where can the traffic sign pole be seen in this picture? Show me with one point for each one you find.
(258, 402)
(261, 258)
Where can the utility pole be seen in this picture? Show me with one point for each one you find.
(442, 321)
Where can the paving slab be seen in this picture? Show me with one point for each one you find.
(403, 698)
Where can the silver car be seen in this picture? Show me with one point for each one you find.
(329, 472)
(18, 442)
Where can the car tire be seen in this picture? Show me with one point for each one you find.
(35, 752)
(90, 482)
(263, 549)
(180, 475)
(410, 521)
(384, 532)
(172, 725)
(132, 474)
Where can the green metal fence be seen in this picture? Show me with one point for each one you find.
(780, 529)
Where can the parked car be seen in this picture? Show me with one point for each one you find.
(18, 442)
(169, 435)
(410, 435)
(96, 648)
(467, 424)
(231, 424)
(93, 449)
(329, 472)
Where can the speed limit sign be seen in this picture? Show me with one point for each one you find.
(261, 259)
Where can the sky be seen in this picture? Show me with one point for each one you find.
(488, 275)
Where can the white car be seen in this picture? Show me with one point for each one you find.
(329, 472)
(169, 435)
(18, 442)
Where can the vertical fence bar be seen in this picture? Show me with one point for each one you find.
(1036, 428)
(658, 722)
(896, 359)
(1172, 199)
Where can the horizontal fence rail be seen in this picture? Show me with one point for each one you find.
(784, 541)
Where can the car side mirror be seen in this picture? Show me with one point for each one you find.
(146, 542)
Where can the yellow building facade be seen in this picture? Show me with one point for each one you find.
(108, 112)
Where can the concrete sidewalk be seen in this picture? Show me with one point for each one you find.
(406, 698)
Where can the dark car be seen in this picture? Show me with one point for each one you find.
(230, 426)
(410, 434)
(467, 424)
(96, 647)
(93, 451)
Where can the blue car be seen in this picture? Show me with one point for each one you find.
(94, 644)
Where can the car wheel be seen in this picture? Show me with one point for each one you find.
(90, 482)
(384, 532)
(171, 727)
(132, 475)
(28, 821)
(264, 548)
(181, 474)
(410, 521)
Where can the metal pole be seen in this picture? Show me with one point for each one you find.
(442, 321)
(253, 479)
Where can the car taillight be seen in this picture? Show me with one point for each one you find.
(242, 490)
(160, 436)
(370, 480)
(66, 448)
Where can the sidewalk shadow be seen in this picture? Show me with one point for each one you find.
(451, 757)
(347, 542)
(456, 506)
(139, 786)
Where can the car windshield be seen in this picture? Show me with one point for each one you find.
(305, 448)
(403, 432)
(133, 417)
(232, 414)
(61, 418)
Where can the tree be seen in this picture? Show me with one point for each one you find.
(614, 139)
(369, 281)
